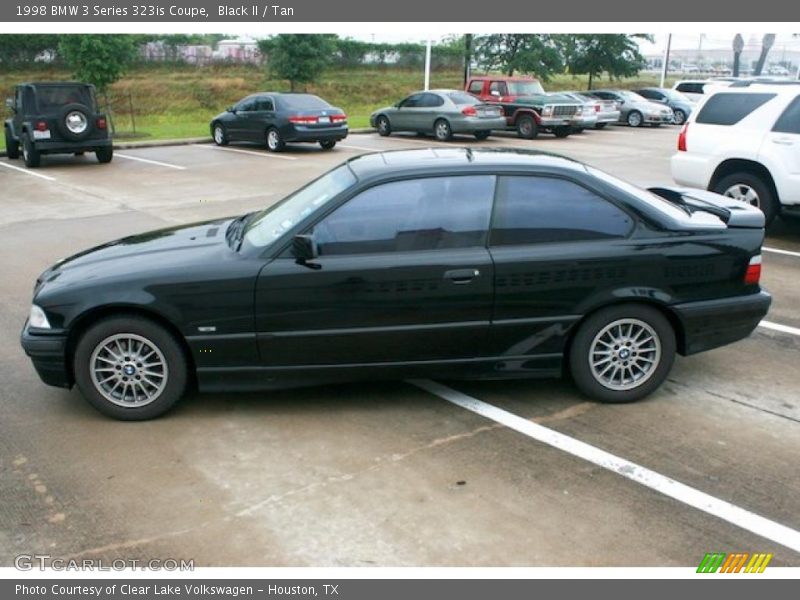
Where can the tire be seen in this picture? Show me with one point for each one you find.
(30, 155)
(750, 188)
(383, 126)
(635, 119)
(12, 145)
(600, 126)
(527, 128)
(81, 115)
(161, 351)
(327, 144)
(656, 343)
(562, 132)
(442, 130)
(679, 117)
(219, 134)
(275, 142)
(482, 135)
(105, 154)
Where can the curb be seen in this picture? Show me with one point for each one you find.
(190, 141)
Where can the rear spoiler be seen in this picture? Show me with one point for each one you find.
(731, 212)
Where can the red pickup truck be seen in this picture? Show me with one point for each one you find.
(526, 106)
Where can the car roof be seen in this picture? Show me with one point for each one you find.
(400, 162)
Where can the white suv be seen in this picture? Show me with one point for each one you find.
(744, 142)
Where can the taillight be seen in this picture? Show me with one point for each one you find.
(469, 111)
(101, 123)
(303, 120)
(338, 118)
(596, 108)
(41, 126)
(682, 138)
(753, 273)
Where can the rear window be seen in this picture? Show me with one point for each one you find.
(463, 98)
(53, 97)
(690, 87)
(789, 121)
(730, 108)
(302, 102)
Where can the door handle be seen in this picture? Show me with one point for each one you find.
(461, 276)
(782, 141)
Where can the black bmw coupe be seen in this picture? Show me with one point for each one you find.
(422, 263)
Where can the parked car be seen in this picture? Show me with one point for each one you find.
(586, 118)
(695, 89)
(56, 118)
(439, 262)
(526, 106)
(440, 112)
(635, 110)
(275, 119)
(744, 142)
(681, 105)
(606, 111)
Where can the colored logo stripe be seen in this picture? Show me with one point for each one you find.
(734, 563)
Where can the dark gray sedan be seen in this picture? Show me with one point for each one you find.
(681, 105)
(440, 112)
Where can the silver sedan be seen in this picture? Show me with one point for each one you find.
(440, 112)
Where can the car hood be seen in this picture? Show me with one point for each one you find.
(174, 246)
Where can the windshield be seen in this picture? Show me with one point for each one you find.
(525, 88)
(268, 225)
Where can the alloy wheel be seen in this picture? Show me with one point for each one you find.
(624, 354)
(128, 370)
(743, 193)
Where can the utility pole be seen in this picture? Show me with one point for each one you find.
(467, 58)
(428, 65)
(665, 66)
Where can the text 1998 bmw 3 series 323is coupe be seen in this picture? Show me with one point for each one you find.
(435, 263)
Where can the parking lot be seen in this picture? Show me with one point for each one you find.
(392, 474)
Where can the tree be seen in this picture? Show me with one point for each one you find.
(25, 48)
(615, 54)
(300, 58)
(98, 59)
(512, 52)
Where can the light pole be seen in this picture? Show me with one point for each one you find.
(665, 66)
(428, 65)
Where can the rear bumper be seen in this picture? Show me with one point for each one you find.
(299, 133)
(714, 323)
(473, 124)
(60, 147)
(48, 352)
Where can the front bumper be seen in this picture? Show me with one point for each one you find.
(659, 118)
(48, 352)
(301, 133)
(67, 147)
(713, 323)
(552, 122)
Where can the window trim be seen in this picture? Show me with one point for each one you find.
(632, 216)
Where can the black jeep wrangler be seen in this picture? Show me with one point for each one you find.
(56, 118)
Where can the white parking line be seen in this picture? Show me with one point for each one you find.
(780, 534)
(779, 327)
(27, 171)
(151, 162)
(780, 251)
(251, 152)
(351, 147)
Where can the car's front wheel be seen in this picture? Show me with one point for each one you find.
(383, 126)
(130, 368)
(30, 155)
(105, 154)
(751, 189)
(220, 135)
(562, 132)
(12, 147)
(635, 118)
(275, 142)
(622, 353)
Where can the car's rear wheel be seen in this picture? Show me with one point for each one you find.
(105, 154)
(622, 353)
(275, 142)
(442, 130)
(30, 155)
(327, 144)
(527, 128)
(679, 117)
(130, 368)
(635, 118)
(600, 125)
(562, 132)
(220, 135)
(482, 135)
(383, 126)
(12, 146)
(750, 188)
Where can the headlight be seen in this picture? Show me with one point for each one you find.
(548, 110)
(37, 318)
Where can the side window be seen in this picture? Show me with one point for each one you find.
(538, 210)
(246, 105)
(265, 104)
(648, 94)
(789, 121)
(604, 95)
(691, 88)
(476, 87)
(431, 101)
(413, 101)
(500, 87)
(730, 108)
(416, 214)
(18, 100)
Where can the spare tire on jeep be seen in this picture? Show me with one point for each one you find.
(75, 121)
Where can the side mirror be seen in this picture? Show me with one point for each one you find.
(11, 104)
(304, 249)
(230, 109)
